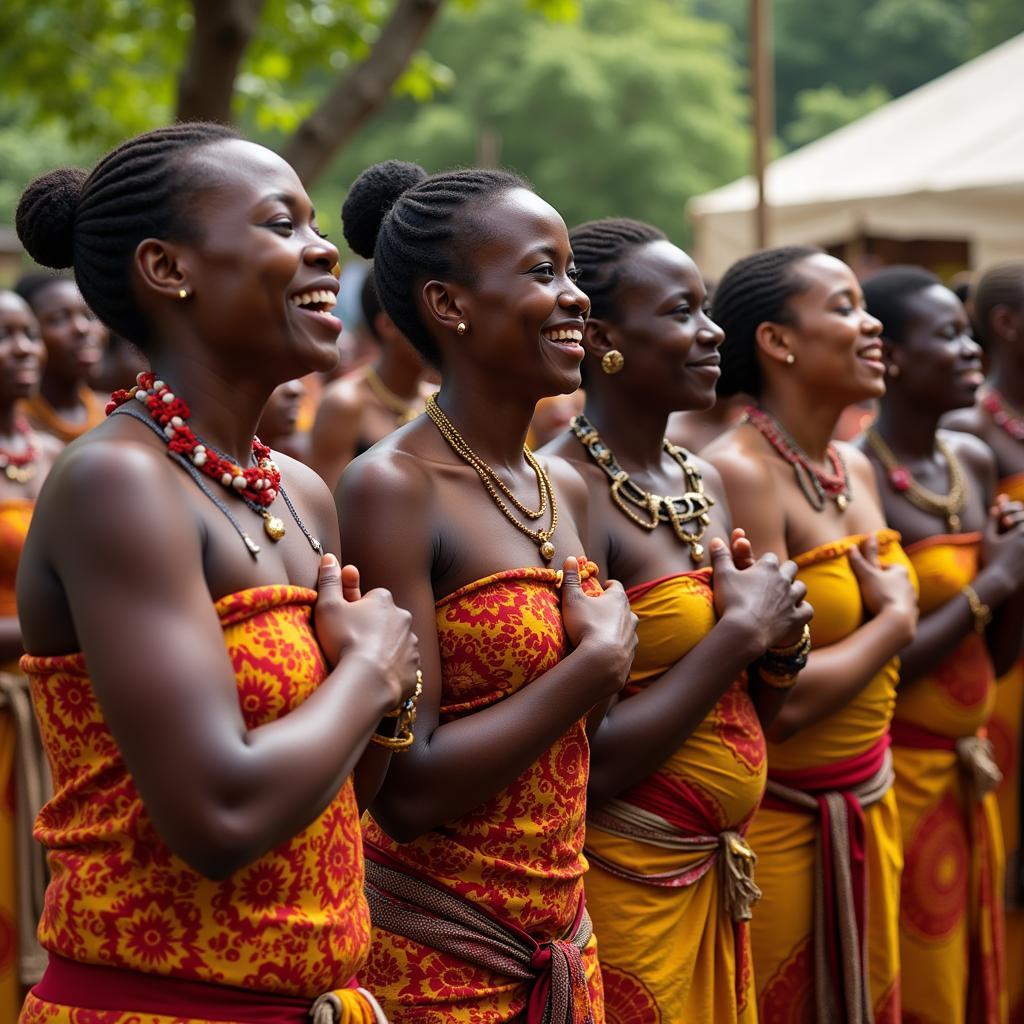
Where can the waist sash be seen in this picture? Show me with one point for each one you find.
(416, 909)
(120, 990)
(838, 794)
(729, 849)
(975, 753)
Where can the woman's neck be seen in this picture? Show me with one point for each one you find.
(225, 405)
(635, 433)
(398, 373)
(1008, 379)
(63, 394)
(8, 418)
(909, 431)
(809, 423)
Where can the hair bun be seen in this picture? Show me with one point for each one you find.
(372, 194)
(45, 219)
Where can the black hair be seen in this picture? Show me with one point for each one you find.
(600, 249)
(93, 221)
(415, 227)
(369, 304)
(886, 294)
(31, 284)
(753, 291)
(1001, 285)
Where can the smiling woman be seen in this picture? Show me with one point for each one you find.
(478, 831)
(967, 545)
(205, 865)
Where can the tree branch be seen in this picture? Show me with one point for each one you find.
(222, 33)
(360, 93)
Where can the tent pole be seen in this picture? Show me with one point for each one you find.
(762, 92)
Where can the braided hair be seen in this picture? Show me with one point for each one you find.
(886, 294)
(753, 291)
(417, 227)
(93, 221)
(600, 249)
(1001, 285)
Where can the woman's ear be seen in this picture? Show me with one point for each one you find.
(446, 306)
(773, 340)
(163, 268)
(600, 336)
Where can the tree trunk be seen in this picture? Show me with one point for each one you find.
(360, 93)
(222, 33)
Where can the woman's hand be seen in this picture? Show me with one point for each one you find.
(763, 595)
(603, 623)
(371, 625)
(884, 589)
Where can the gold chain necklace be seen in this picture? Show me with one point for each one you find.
(949, 506)
(404, 411)
(491, 481)
(678, 510)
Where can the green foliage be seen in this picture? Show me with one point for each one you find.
(820, 111)
(611, 114)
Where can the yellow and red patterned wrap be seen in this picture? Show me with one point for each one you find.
(519, 855)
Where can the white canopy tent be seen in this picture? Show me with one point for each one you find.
(943, 162)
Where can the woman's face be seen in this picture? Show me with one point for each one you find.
(22, 353)
(259, 272)
(73, 336)
(523, 308)
(669, 342)
(834, 340)
(939, 362)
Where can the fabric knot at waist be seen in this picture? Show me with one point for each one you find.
(975, 753)
(415, 908)
(728, 849)
(838, 794)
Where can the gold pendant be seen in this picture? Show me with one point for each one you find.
(842, 502)
(696, 551)
(273, 527)
(547, 551)
(953, 522)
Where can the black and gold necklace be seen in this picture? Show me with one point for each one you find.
(678, 510)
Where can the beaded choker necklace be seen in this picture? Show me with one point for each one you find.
(949, 506)
(405, 412)
(818, 486)
(493, 483)
(677, 510)
(20, 466)
(1002, 415)
(257, 485)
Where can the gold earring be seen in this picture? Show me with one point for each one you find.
(462, 328)
(894, 370)
(612, 361)
(182, 293)
(790, 359)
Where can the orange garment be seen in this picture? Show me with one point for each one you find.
(951, 906)
(294, 922)
(786, 840)
(15, 516)
(43, 416)
(519, 855)
(1005, 732)
(670, 950)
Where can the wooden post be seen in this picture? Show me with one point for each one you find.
(762, 91)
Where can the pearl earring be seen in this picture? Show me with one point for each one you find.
(183, 293)
(462, 328)
(790, 359)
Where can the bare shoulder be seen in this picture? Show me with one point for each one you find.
(566, 478)
(300, 482)
(969, 420)
(340, 397)
(387, 475)
(861, 469)
(739, 459)
(972, 452)
(709, 474)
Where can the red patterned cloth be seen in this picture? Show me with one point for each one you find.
(518, 857)
(294, 922)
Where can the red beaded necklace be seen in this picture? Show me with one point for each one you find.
(996, 406)
(20, 466)
(256, 485)
(818, 485)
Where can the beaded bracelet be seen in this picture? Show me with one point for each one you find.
(781, 681)
(786, 661)
(405, 715)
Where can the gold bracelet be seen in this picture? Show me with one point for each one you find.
(405, 714)
(777, 682)
(981, 611)
(802, 646)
